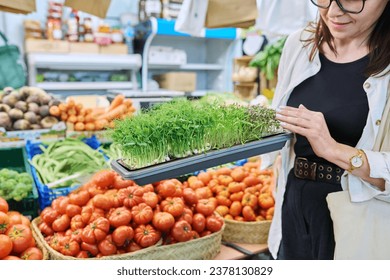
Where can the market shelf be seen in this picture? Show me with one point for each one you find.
(84, 85)
(175, 168)
(188, 66)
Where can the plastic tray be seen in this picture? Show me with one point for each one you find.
(182, 166)
(45, 194)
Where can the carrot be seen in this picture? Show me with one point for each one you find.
(80, 118)
(55, 111)
(64, 116)
(128, 102)
(89, 118)
(63, 107)
(101, 124)
(114, 113)
(118, 100)
(72, 111)
(89, 126)
(72, 119)
(79, 126)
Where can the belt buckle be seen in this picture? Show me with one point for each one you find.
(312, 168)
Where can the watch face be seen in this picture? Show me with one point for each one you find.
(356, 161)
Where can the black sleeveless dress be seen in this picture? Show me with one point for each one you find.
(337, 92)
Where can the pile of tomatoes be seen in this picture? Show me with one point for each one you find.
(109, 215)
(242, 193)
(16, 240)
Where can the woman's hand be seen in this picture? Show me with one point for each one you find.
(310, 124)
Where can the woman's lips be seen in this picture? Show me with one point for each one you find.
(338, 24)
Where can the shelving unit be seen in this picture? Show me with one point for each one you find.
(84, 62)
(209, 56)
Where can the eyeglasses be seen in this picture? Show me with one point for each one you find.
(347, 6)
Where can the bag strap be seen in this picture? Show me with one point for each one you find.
(4, 38)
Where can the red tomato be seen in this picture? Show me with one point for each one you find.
(146, 188)
(198, 222)
(32, 253)
(20, 236)
(266, 200)
(49, 215)
(235, 208)
(189, 196)
(195, 235)
(77, 222)
(119, 183)
(79, 197)
(186, 215)
(55, 204)
(114, 197)
(203, 192)
(142, 214)
(5, 245)
(205, 177)
(166, 188)
(107, 246)
(130, 196)
(89, 214)
(163, 221)
(132, 247)
(102, 201)
(15, 218)
(83, 255)
(146, 235)
(72, 210)
(122, 235)
(248, 213)
(173, 205)
(238, 174)
(182, 231)
(96, 231)
(63, 204)
(119, 217)
(4, 222)
(92, 249)
(104, 179)
(205, 207)
(214, 223)
(75, 235)
(11, 258)
(3, 205)
(150, 198)
(62, 223)
(45, 229)
(222, 210)
(249, 200)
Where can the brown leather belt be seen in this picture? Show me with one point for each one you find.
(310, 170)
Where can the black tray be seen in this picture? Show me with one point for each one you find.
(177, 167)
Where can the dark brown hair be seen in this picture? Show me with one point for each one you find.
(378, 42)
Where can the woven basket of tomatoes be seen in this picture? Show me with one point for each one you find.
(244, 199)
(17, 240)
(112, 218)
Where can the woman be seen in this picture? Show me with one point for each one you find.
(332, 89)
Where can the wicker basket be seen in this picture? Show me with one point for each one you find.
(39, 244)
(203, 248)
(246, 232)
(143, 254)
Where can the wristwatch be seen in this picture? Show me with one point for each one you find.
(356, 161)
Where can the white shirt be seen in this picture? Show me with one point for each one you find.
(294, 68)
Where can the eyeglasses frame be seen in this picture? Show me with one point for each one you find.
(340, 6)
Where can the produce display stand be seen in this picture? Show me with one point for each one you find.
(15, 139)
(175, 168)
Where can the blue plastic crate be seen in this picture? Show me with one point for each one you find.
(45, 194)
